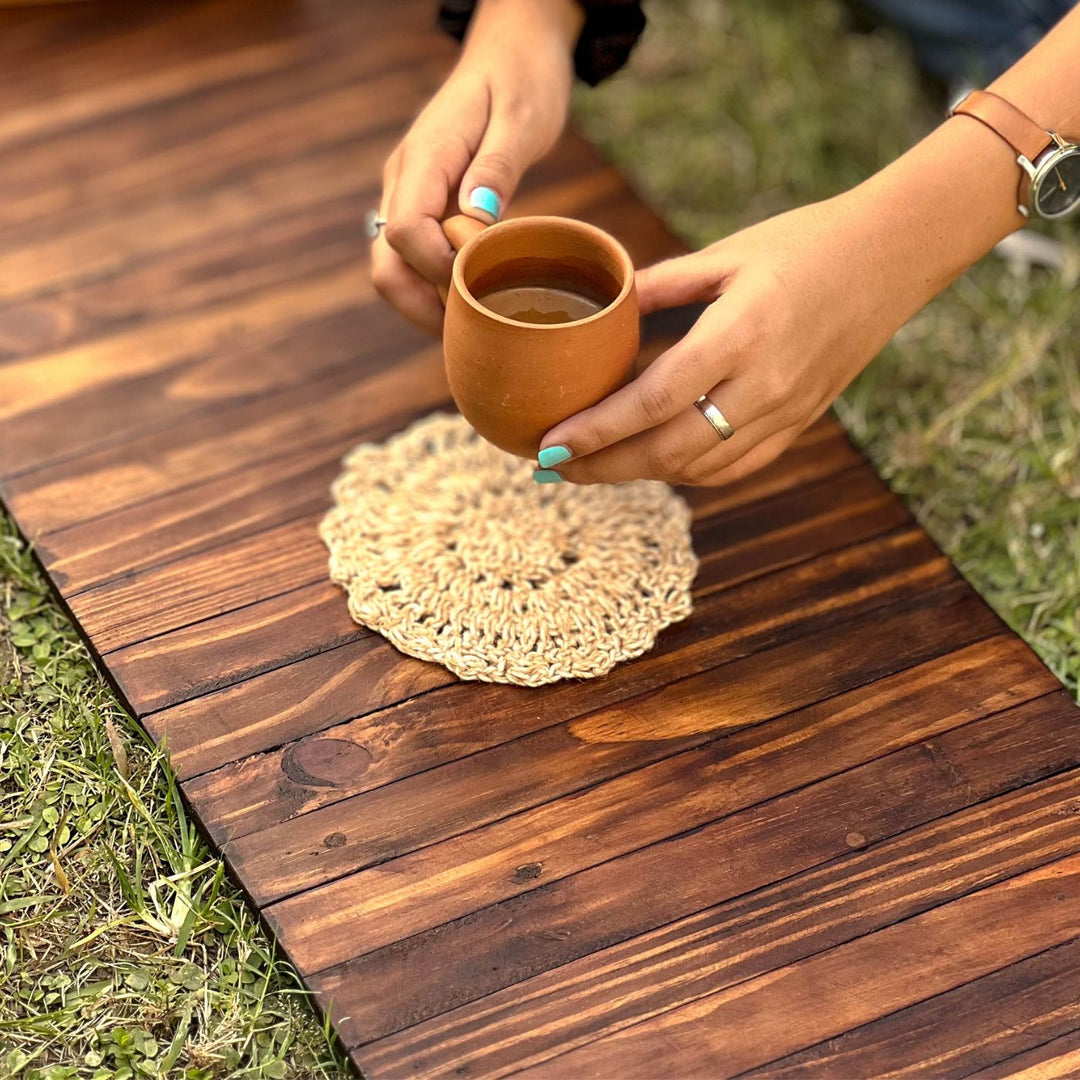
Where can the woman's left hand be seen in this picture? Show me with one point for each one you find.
(799, 305)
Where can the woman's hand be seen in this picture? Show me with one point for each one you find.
(799, 305)
(500, 110)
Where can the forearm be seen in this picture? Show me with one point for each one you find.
(947, 201)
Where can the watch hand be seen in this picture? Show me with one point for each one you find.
(1061, 183)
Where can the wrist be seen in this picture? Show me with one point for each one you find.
(940, 207)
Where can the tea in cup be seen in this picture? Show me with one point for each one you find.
(541, 322)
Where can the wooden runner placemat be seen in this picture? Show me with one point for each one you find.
(829, 826)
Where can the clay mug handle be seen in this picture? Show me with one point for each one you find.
(459, 230)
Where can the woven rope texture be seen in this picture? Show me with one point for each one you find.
(449, 549)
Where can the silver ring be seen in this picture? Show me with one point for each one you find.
(372, 224)
(714, 416)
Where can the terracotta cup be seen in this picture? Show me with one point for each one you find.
(514, 381)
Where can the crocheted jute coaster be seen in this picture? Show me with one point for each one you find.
(447, 547)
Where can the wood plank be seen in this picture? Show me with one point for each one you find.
(154, 383)
(463, 795)
(1024, 1007)
(415, 892)
(744, 543)
(71, 268)
(740, 937)
(1058, 1059)
(265, 325)
(227, 649)
(822, 450)
(185, 663)
(235, 128)
(210, 446)
(180, 524)
(236, 801)
(216, 375)
(147, 264)
(148, 534)
(187, 361)
(219, 580)
(234, 116)
(56, 56)
(264, 712)
(64, 69)
(232, 263)
(824, 995)
(69, 282)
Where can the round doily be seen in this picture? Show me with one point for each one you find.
(448, 548)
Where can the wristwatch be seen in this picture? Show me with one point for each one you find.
(1050, 166)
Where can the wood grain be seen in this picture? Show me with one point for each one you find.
(433, 885)
(1058, 1059)
(827, 825)
(391, 821)
(114, 348)
(260, 797)
(554, 924)
(227, 649)
(193, 660)
(728, 1032)
(977, 1026)
(667, 963)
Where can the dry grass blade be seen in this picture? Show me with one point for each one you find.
(117, 747)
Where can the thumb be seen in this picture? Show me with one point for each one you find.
(505, 152)
(688, 279)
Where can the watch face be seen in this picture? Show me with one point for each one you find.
(1058, 191)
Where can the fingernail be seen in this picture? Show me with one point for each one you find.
(551, 456)
(483, 198)
(546, 476)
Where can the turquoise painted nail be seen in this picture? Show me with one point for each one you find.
(546, 476)
(552, 456)
(483, 198)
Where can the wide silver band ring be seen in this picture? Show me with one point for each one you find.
(372, 224)
(714, 416)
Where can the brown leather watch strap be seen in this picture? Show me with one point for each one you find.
(1018, 130)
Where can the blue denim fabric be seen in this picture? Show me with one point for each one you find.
(972, 41)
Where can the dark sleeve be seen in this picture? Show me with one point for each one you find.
(611, 30)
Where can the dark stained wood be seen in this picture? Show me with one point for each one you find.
(759, 843)
(258, 799)
(1006, 1014)
(890, 968)
(168, 669)
(680, 953)
(227, 649)
(827, 826)
(1058, 1059)
(221, 442)
(392, 821)
(94, 329)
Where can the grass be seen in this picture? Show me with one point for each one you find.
(732, 112)
(126, 953)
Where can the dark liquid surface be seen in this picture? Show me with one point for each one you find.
(545, 291)
(541, 304)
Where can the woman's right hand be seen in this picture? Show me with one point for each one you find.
(500, 110)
